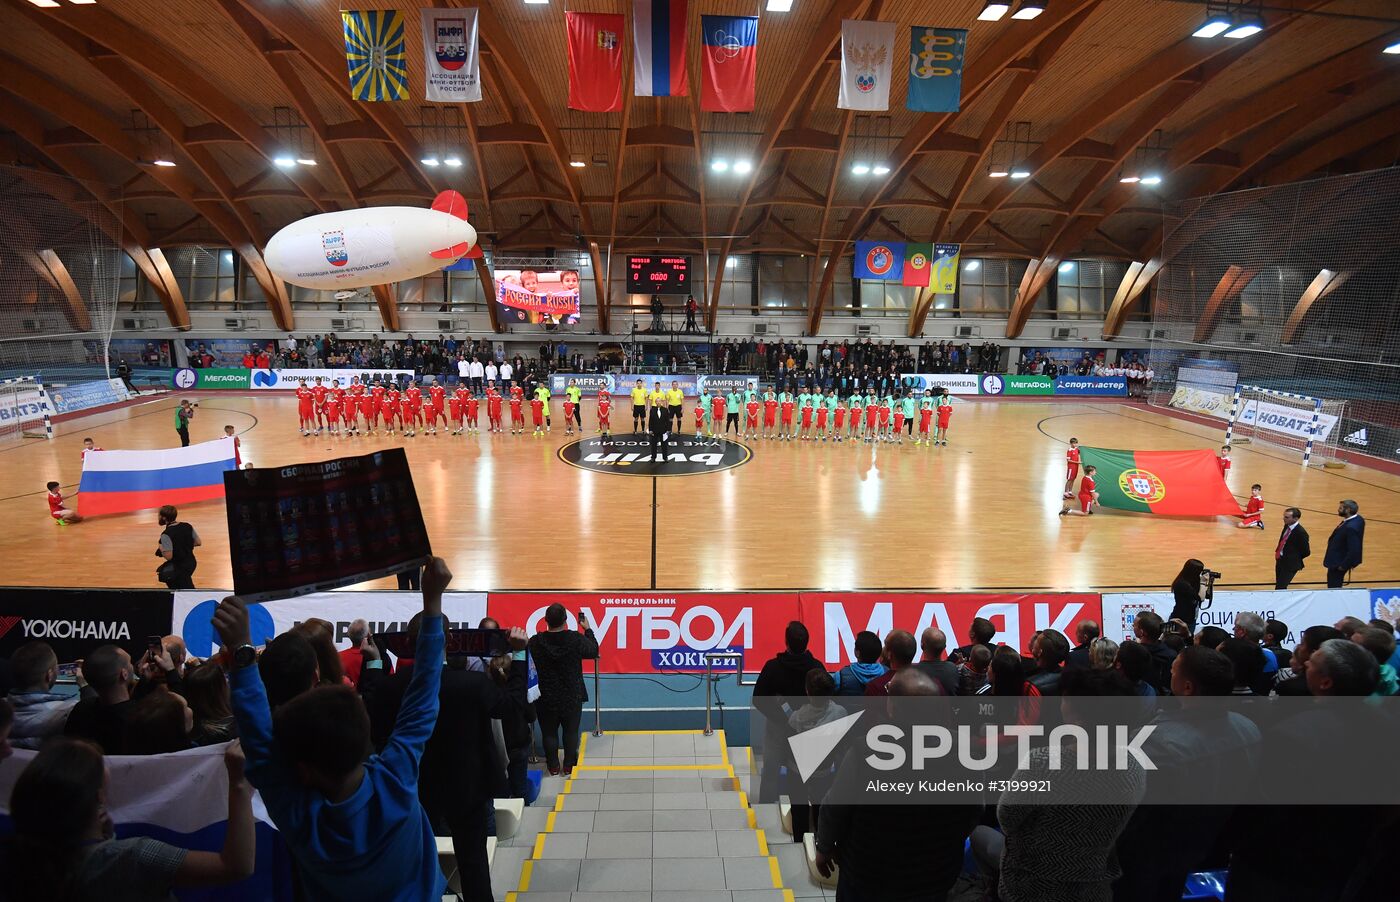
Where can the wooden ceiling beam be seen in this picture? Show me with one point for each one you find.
(655, 135)
(1016, 89)
(73, 305)
(1321, 286)
(354, 131)
(624, 138)
(211, 133)
(1337, 143)
(1135, 280)
(1227, 290)
(814, 311)
(1038, 274)
(511, 133)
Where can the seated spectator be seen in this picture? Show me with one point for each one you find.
(101, 714)
(1341, 667)
(351, 819)
(1103, 654)
(1085, 634)
(1275, 634)
(980, 633)
(1348, 626)
(7, 721)
(972, 673)
(39, 712)
(1211, 637)
(1381, 644)
(1147, 630)
(158, 723)
(1135, 663)
(1293, 682)
(63, 845)
(933, 644)
(898, 654)
(1248, 660)
(1250, 626)
(321, 635)
(819, 708)
(1050, 655)
(854, 677)
(1389, 628)
(206, 692)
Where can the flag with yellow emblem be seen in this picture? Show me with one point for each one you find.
(375, 54)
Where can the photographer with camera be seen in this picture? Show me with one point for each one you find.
(1193, 588)
(183, 414)
(558, 653)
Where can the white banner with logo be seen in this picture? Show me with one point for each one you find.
(286, 380)
(956, 383)
(1298, 610)
(1200, 400)
(450, 55)
(1294, 421)
(384, 611)
(25, 404)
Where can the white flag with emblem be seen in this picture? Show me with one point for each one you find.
(867, 60)
(450, 55)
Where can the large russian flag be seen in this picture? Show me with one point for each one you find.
(115, 482)
(658, 48)
(731, 63)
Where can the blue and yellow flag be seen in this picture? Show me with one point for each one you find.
(945, 268)
(935, 69)
(374, 52)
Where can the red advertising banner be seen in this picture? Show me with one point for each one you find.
(661, 632)
(834, 618)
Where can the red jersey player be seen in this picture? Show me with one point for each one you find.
(389, 411)
(604, 413)
(821, 418)
(1071, 467)
(717, 411)
(886, 406)
(838, 421)
(872, 415)
(306, 408)
(471, 409)
(568, 416)
(369, 411)
(700, 415)
(787, 404)
(857, 412)
(751, 409)
(331, 411)
(1088, 497)
(1254, 510)
(350, 410)
(431, 413)
(414, 395)
(1224, 461)
(770, 414)
(493, 408)
(61, 515)
(455, 405)
(439, 395)
(318, 394)
(945, 413)
(807, 411)
(898, 423)
(517, 409)
(537, 414)
(409, 414)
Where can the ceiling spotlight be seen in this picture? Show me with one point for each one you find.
(1020, 172)
(998, 171)
(992, 11)
(1213, 27)
(880, 169)
(577, 162)
(1067, 266)
(1249, 25)
(284, 162)
(779, 6)
(1028, 9)
(453, 161)
(306, 161)
(1152, 180)
(1393, 48)
(743, 167)
(860, 169)
(46, 4)
(972, 266)
(430, 161)
(160, 161)
(1129, 179)
(720, 165)
(536, 2)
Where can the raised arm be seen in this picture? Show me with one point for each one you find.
(248, 697)
(419, 710)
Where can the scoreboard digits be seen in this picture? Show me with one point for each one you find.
(658, 275)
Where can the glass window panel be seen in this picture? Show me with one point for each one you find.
(128, 267)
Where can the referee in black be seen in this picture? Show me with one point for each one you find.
(660, 425)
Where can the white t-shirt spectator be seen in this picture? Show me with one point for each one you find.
(491, 372)
(464, 368)
(506, 372)
(290, 344)
(475, 369)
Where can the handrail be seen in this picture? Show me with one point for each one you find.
(710, 658)
(597, 701)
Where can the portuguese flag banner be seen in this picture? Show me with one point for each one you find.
(1177, 483)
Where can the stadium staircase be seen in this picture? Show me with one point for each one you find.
(652, 816)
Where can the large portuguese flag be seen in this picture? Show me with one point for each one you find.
(1180, 483)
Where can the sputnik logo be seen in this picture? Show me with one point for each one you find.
(811, 749)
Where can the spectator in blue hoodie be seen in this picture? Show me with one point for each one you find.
(853, 678)
(351, 819)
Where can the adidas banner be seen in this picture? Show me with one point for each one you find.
(1375, 439)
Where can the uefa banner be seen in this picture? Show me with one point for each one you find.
(834, 618)
(661, 632)
(1298, 609)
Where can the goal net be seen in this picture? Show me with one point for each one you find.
(1303, 425)
(24, 410)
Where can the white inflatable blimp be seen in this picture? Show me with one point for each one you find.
(372, 245)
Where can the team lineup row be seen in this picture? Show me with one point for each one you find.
(784, 416)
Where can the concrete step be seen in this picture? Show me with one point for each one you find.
(752, 895)
(647, 875)
(655, 800)
(743, 843)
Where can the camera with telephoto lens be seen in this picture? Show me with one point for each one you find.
(1210, 576)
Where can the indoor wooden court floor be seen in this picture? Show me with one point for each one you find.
(507, 513)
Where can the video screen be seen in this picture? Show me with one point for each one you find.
(547, 297)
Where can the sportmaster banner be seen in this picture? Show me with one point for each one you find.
(375, 55)
(1178, 483)
(450, 55)
(935, 69)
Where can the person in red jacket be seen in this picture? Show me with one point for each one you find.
(517, 410)
(604, 413)
(306, 408)
(751, 408)
(471, 411)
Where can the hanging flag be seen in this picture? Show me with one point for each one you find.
(880, 261)
(658, 48)
(374, 52)
(730, 66)
(935, 69)
(449, 55)
(115, 482)
(945, 268)
(595, 61)
(918, 260)
(867, 58)
(1180, 483)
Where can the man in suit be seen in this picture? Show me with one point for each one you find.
(659, 425)
(1292, 548)
(1344, 544)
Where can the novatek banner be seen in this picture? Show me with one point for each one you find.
(1297, 609)
(1091, 385)
(77, 621)
(956, 383)
(1294, 421)
(24, 404)
(384, 612)
(288, 380)
(834, 618)
(657, 632)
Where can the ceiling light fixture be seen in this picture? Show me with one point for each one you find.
(162, 162)
(998, 172)
(454, 161)
(880, 169)
(430, 161)
(1214, 26)
(779, 6)
(1129, 179)
(992, 11)
(536, 2)
(720, 166)
(577, 162)
(1393, 48)
(1019, 171)
(45, 4)
(284, 162)
(743, 167)
(306, 161)
(1245, 27)
(1028, 9)
(860, 169)
(1152, 179)
(82, 2)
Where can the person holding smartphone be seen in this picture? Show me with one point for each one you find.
(558, 653)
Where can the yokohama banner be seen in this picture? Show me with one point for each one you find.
(834, 618)
(657, 632)
(76, 621)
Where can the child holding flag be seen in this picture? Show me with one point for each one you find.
(1071, 467)
(1254, 510)
(1088, 497)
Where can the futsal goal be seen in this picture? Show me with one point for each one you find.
(1298, 423)
(25, 410)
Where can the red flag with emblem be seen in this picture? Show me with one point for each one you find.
(595, 61)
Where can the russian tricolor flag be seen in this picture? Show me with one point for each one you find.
(658, 48)
(730, 66)
(115, 482)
